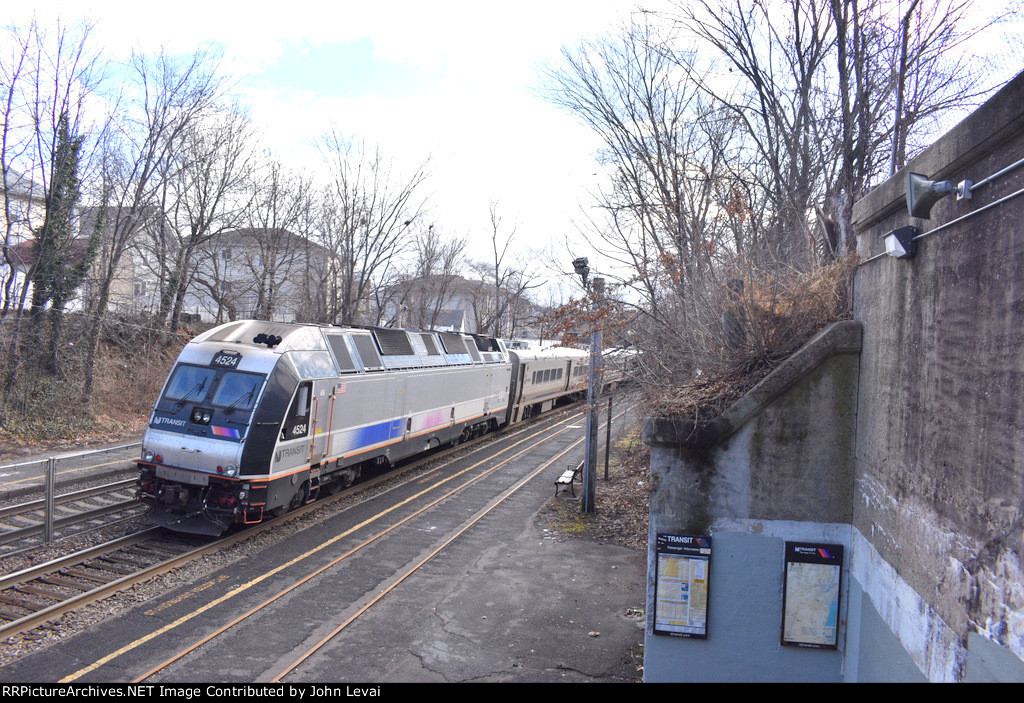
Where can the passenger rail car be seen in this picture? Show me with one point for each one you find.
(257, 418)
(542, 378)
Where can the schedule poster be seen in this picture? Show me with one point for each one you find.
(810, 604)
(681, 586)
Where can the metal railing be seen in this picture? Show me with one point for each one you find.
(50, 483)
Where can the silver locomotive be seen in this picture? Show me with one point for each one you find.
(257, 418)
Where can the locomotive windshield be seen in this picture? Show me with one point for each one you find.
(237, 391)
(188, 382)
(226, 390)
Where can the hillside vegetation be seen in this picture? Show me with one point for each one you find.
(42, 410)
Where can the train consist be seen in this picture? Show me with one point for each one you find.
(257, 418)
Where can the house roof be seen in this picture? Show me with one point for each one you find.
(21, 185)
(247, 237)
(23, 255)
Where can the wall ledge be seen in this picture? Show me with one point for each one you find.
(966, 143)
(838, 338)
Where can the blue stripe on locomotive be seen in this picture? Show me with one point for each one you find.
(362, 437)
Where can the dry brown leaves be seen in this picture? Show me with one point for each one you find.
(621, 502)
(771, 316)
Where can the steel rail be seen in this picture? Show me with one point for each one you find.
(67, 497)
(33, 572)
(57, 610)
(33, 530)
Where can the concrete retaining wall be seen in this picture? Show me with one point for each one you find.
(899, 436)
(776, 467)
(940, 435)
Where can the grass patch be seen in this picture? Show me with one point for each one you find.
(574, 526)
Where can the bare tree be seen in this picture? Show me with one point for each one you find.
(281, 208)
(163, 96)
(419, 285)
(364, 223)
(933, 78)
(500, 303)
(19, 190)
(779, 53)
(436, 269)
(47, 79)
(665, 148)
(737, 136)
(203, 193)
(831, 94)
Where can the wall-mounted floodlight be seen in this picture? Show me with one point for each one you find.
(922, 194)
(900, 243)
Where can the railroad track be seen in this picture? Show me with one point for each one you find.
(23, 526)
(34, 596)
(408, 513)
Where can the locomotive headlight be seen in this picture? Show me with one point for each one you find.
(232, 470)
(147, 455)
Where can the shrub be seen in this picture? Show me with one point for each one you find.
(736, 327)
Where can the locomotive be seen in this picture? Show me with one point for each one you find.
(257, 418)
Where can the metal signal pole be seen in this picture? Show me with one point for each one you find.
(593, 393)
(582, 268)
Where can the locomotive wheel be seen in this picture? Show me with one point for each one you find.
(336, 485)
(300, 496)
(298, 499)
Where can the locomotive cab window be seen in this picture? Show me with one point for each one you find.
(296, 423)
(189, 383)
(237, 391)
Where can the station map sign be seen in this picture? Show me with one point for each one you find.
(681, 586)
(810, 604)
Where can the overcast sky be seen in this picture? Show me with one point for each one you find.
(452, 82)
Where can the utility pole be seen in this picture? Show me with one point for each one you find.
(593, 395)
(593, 385)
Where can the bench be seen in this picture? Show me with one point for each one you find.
(568, 478)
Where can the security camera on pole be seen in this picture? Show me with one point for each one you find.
(593, 389)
